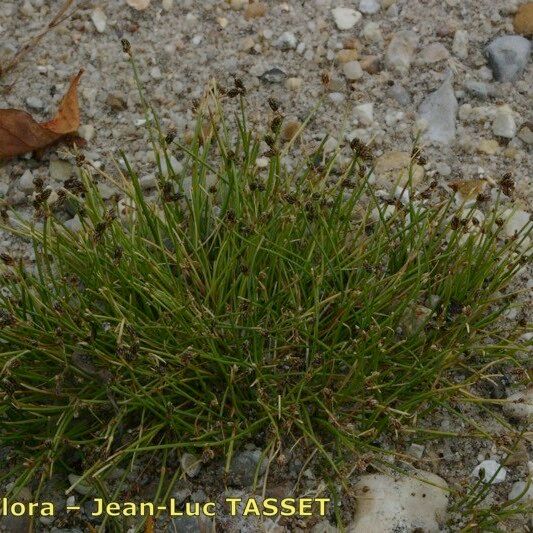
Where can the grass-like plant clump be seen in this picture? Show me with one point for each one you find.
(245, 302)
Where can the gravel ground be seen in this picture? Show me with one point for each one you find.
(385, 71)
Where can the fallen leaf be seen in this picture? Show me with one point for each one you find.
(21, 133)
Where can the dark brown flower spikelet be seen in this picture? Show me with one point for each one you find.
(126, 46)
(170, 136)
(276, 123)
(7, 259)
(274, 104)
(361, 149)
(507, 184)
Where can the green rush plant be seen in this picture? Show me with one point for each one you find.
(242, 303)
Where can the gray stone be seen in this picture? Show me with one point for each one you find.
(34, 102)
(400, 94)
(401, 50)
(504, 124)
(190, 464)
(60, 170)
(273, 75)
(244, 466)
(26, 181)
(352, 70)
(286, 41)
(345, 18)
(520, 404)
(508, 56)
(433, 53)
(438, 109)
(478, 89)
(369, 7)
(148, 182)
(460, 44)
(522, 491)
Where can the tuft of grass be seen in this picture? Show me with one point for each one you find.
(244, 302)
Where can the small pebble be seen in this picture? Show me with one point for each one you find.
(86, 132)
(401, 50)
(478, 89)
(433, 53)
(369, 7)
(345, 18)
(372, 32)
(371, 64)
(148, 182)
(139, 4)
(352, 70)
(520, 404)
(508, 56)
(190, 464)
(99, 19)
(26, 181)
(345, 55)
(504, 124)
(294, 84)
(255, 10)
(364, 113)
(488, 146)
(336, 98)
(523, 20)
(489, 469)
(286, 41)
(522, 492)
(155, 72)
(460, 44)
(400, 94)
(273, 75)
(34, 102)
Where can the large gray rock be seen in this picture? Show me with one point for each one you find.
(439, 111)
(508, 56)
(406, 504)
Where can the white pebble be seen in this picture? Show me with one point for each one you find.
(294, 84)
(504, 124)
(34, 102)
(155, 72)
(86, 132)
(372, 32)
(365, 113)
(352, 70)
(286, 41)
(369, 7)
(460, 44)
(99, 19)
(346, 18)
(26, 181)
(490, 467)
(336, 98)
(521, 490)
(139, 5)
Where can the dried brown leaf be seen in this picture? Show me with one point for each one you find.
(21, 133)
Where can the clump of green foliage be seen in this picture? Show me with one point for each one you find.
(245, 301)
